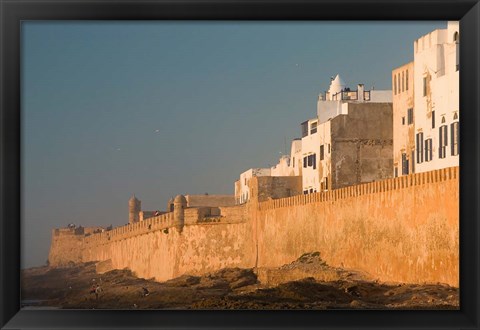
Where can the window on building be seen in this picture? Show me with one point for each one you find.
(305, 161)
(396, 171)
(313, 127)
(321, 152)
(395, 84)
(457, 57)
(456, 39)
(304, 128)
(454, 134)
(424, 86)
(245, 181)
(403, 81)
(410, 116)
(442, 141)
(329, 148)
(305, 192)
(312, 161)
(406, 80)
(293, 162)
(403, 120)
(326, 183)
(412, 161)
(419, 145)
(404, 164)
(428, 150)
(311, 190)
(433, 119)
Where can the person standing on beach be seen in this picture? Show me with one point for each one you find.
(98, 289)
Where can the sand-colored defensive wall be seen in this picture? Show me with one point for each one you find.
(404, 229)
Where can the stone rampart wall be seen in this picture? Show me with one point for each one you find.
(404, 229)
(164, 253)
(65, 248)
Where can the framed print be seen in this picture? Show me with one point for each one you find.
(239, 164)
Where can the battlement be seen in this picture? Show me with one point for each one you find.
(161, 222)
(402, 182)
(76, 231)
(164, 222)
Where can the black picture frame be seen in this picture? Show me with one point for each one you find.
(13, 12)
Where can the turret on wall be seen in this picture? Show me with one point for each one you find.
(179, 205)
(134, 208)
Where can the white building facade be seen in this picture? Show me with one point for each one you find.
(403, 120)
(242, 192)
(436, 99)
(348, 142)
(426, 104)
(317, 133)
(283, 167)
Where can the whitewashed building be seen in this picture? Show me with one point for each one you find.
(295, 167)
(426, 104)
(436, 100)
(349, 142)
(318, 171)
(403, 120)
(242, 192)
(283, 167)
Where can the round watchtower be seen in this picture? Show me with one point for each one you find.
(134, 208)
(179, 206)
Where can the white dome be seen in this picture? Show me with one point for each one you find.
(337, 85)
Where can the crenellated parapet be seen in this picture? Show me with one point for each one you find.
(161, 222)
(417, 179)
(167, 221)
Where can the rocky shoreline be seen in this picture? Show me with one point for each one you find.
(307, 283)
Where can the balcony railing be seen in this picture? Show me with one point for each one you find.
(345, 95)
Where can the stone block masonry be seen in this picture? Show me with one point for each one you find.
(404, 230)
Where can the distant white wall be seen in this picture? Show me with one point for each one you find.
(315, 172)
(328, 109)
(296, 157)
(283, 167)
(380, 96)
(243, 194)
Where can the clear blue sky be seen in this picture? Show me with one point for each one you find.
(164, 108)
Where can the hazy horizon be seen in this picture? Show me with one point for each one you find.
(156, 109)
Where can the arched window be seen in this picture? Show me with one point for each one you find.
(395, 84)
(456, 39)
